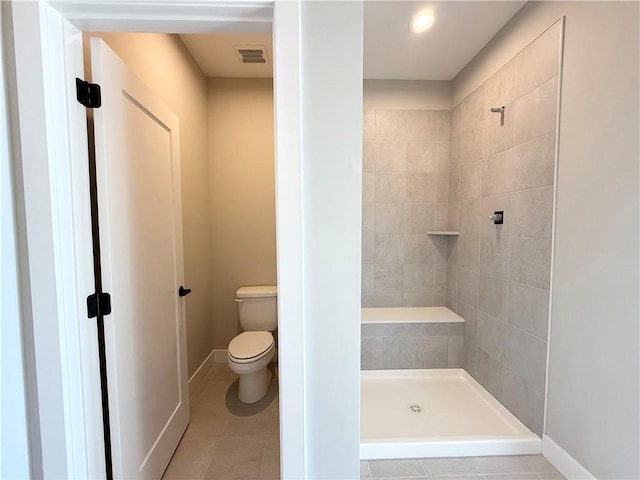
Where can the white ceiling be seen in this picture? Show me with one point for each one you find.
(217, 57)
(391, 50)
(461, 29)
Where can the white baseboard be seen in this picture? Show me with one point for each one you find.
(201, 372)
(564, 463)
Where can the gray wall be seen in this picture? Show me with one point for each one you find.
(593, 400)
(593, 392)
(498, 277)
(405, 194)
(412, 345)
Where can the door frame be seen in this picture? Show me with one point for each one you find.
(52, 183)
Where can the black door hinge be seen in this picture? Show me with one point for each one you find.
(98, 304)
(88, 94)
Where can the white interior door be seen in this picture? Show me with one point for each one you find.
(139, 212)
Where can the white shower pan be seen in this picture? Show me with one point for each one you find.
(436, 413)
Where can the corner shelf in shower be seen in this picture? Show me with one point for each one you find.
(450, 233)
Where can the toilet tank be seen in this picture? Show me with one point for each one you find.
(257, 308)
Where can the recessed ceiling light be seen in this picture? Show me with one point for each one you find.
(421, 22)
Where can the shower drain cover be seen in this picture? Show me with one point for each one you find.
(415, 408)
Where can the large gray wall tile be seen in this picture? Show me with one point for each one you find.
(500, 89)
(368, 247)
(473, 107)
(389, 218)
(536, 112)
(421, 125)
(538, 62)
(387, 279)
(368, 187)
(493, 296)
(444, 125)
(443, 157)
(490, 373)
(421, 157)
(491, 335)
(369, 125)
(420, 188)
(424, 299)
(498, 136)
(418, 278)
(532, 213)
(418, 248)
(369, 156)
(382, 300)
(535, 162)
(529, 309)
(418, 217)
(391, 157)
(530, 261)
(368, 218)
(524, 401)
(494, 256)
(468, 286)
(471, 143)
(367, 279)
(390, 125)
(389, 248)
(455, 355)
(498, 174)
(432, 352)
(526, 355)
(470, 217)
(469, 252)
(471, 181)
(390, 187)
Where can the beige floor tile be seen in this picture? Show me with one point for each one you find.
(191, 459)
(503, 464)
(257, 424)
(214, 393)
(220, 372)
(365, 471)
(457, 477)
(449, 466)
(237, 458)
(554, 475)
(538, 463)
(270, 469)
(511, 476)
(396, 468)
(207, 421)
(274, 427)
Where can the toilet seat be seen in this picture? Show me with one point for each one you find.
(250, 347)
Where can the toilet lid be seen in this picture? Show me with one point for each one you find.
(250, 344)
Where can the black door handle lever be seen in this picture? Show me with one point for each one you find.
(183, 292)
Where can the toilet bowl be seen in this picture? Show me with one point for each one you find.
(248, 356)
(250, 352)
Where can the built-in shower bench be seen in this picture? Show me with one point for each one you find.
(411, 337)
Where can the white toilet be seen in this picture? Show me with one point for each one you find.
(250, 352)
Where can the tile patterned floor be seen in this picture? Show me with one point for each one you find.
(227, 439)
(525, 467)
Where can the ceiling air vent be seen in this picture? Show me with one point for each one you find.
(252, 54)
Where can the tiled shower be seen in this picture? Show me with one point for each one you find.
(441, 170)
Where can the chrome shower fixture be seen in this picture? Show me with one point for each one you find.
(499, 110)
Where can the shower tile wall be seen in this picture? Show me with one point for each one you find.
(498, 275)
(405, 194)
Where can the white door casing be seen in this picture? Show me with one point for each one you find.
(139, 213)
(53, 197)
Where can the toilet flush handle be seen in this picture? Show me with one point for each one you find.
(238, 300)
